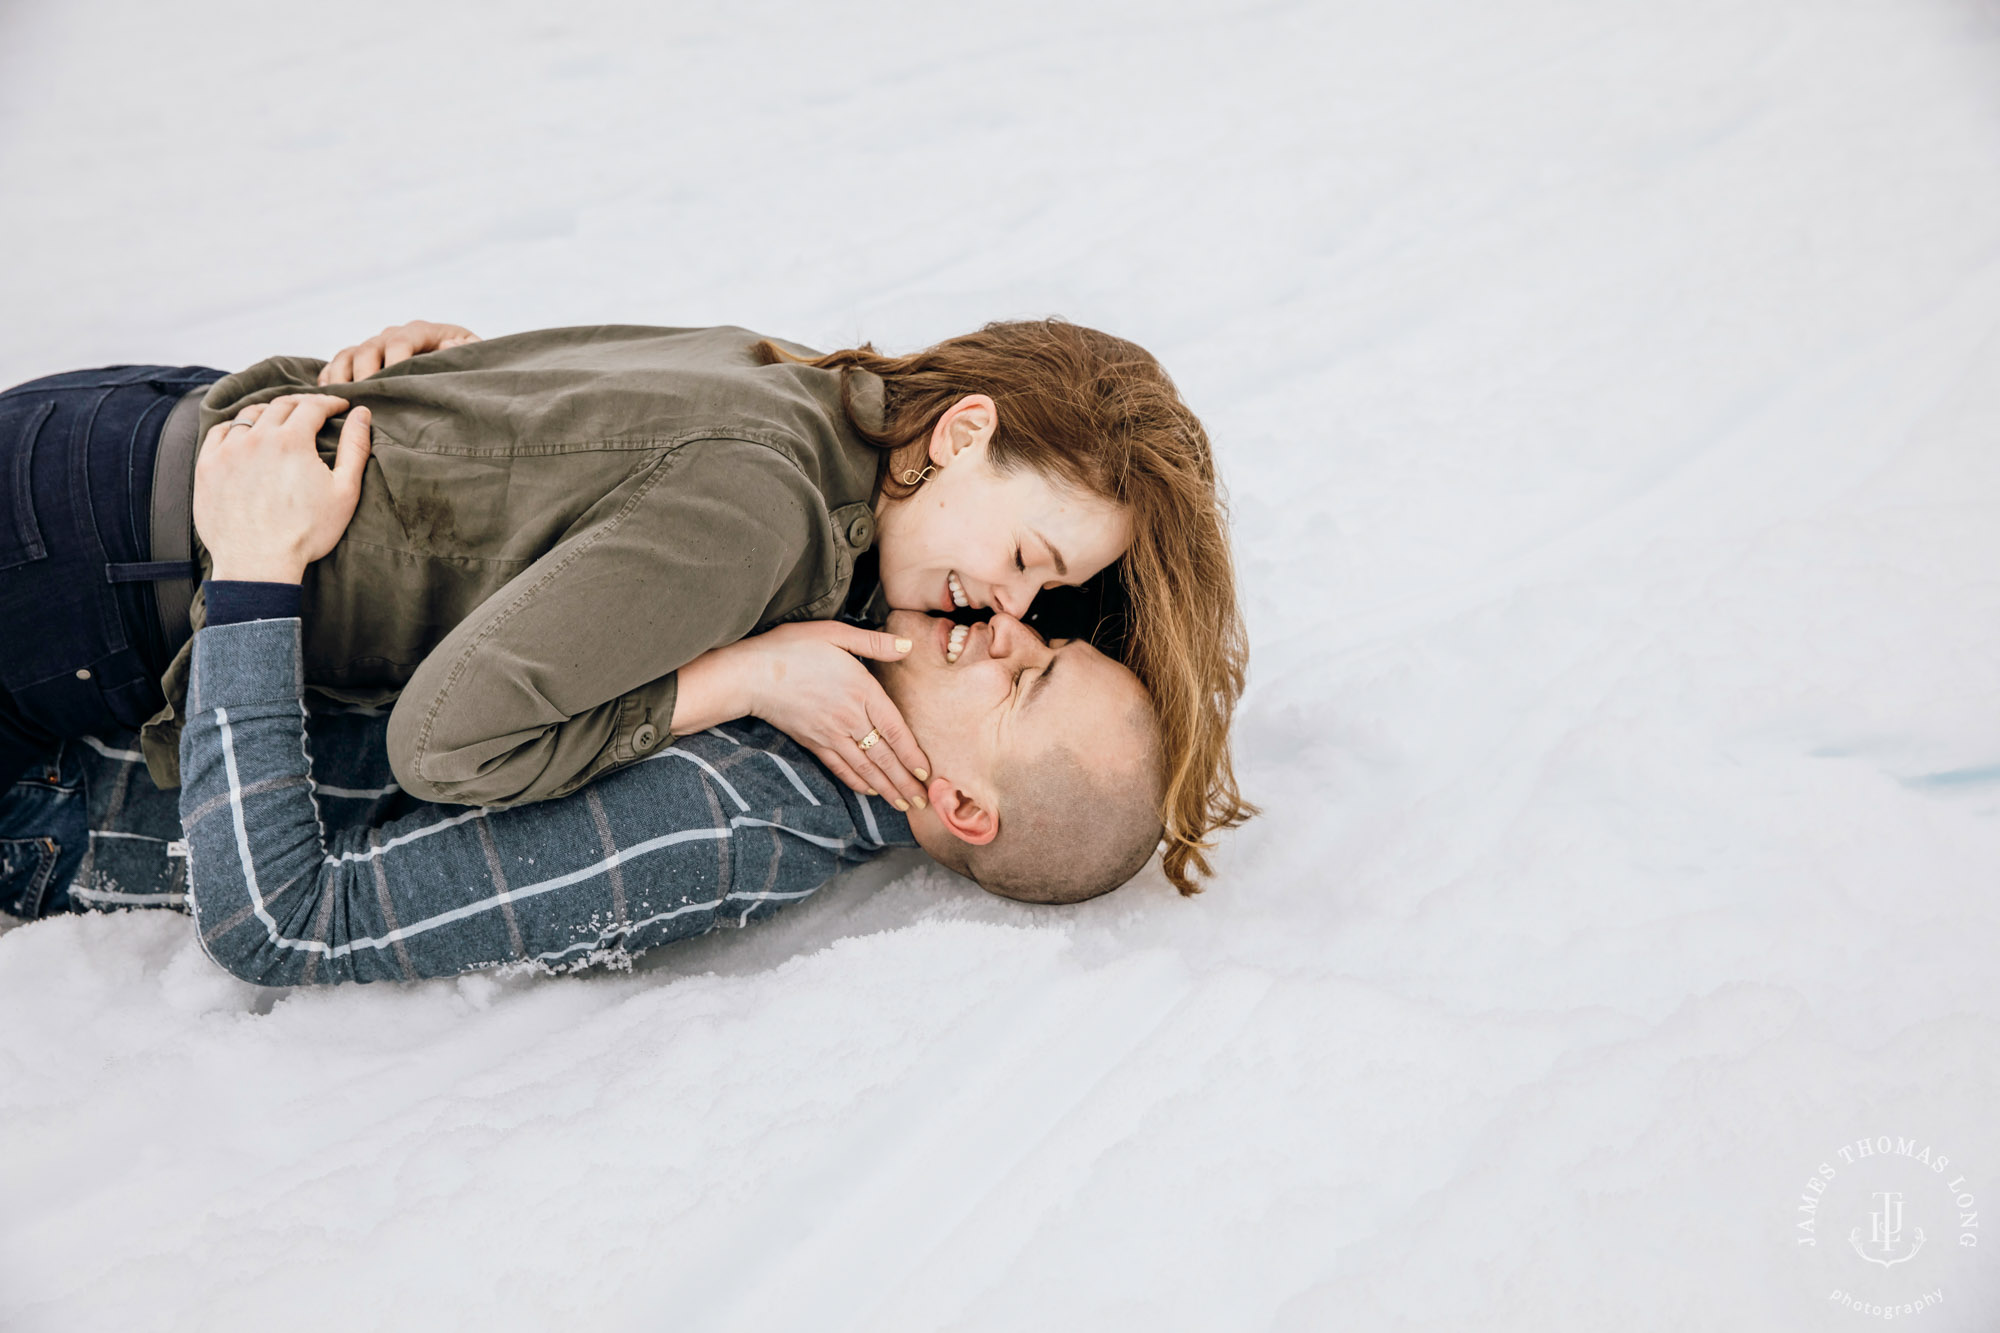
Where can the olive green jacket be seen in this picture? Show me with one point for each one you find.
(550, 525)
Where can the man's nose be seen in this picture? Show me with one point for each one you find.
(1013, 639)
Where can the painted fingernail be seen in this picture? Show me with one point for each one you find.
(923, 774)
(920, 803)
(901, 804)
(873, 792)
(902, 645)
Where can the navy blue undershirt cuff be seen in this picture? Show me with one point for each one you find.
(231, 601)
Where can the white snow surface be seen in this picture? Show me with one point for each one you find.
(1607, 396)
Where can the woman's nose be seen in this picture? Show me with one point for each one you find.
(1013, 599)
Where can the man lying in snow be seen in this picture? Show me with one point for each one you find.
(305, 864)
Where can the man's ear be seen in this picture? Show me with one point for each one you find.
(967, 422)
(962, 814)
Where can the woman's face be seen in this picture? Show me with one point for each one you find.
(978, 537)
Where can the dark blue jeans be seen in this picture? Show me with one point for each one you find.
(79, 655)
(44, 833)
(85, 829)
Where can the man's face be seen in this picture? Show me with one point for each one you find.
(1009, 696)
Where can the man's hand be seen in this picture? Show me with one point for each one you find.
(391, 345)
(264, 504)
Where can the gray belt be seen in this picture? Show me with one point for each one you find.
(172, 570)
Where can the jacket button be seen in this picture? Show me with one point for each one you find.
(646, 737)
(83, 673)
(861, 531)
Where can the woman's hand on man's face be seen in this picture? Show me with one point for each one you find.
(804, 680)
(398, 343)
(264, 503)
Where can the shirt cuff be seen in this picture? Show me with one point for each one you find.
(231, 602)
(252, 662)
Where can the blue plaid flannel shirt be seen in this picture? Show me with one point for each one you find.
(307, 865)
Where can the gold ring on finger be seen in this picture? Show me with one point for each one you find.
(870, 739)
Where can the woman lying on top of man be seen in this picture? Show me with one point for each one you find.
(549, 527)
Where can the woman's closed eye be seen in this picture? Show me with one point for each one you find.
(1020, 566)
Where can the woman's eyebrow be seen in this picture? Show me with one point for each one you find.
(1062, 567)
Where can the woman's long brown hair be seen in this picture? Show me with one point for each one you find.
(1099, 413)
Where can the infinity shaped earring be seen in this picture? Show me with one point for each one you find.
(911, 476)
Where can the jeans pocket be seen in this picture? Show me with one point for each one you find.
(44, 833)
(27, 868)
(21, 422)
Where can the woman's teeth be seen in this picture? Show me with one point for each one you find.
(958, 597)
(956, 643)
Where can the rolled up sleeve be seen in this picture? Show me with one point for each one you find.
(567, 671)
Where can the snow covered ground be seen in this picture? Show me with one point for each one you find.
(1608, 394)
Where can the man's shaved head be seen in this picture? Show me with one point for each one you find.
(1069, 831)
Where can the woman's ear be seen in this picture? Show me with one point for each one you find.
(966, 423)
(961, 813)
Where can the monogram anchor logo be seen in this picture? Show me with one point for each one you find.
(1886, 1233)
